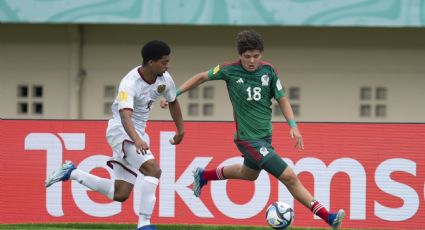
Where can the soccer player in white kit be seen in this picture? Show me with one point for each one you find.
(126, 135)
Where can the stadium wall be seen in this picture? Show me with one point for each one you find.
(328, 65)
(375, 172)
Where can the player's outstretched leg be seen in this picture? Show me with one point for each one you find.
(61, 174)
(335, 219)
(198, 181)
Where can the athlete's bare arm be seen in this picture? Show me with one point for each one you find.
(194, 81)
(176, 114)
(188, 85)
(127, 123)
(286, 109)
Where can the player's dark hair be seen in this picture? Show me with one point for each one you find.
(249, 40)
(154, 50)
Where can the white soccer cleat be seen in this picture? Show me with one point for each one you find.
(61, 174)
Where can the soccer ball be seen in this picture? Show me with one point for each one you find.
(280, 215)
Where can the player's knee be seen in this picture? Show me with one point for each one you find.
(151, 168)
(153, 172)
(289, 178)
(157, 172)
(120, 197)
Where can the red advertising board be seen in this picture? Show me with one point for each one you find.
(375, 172)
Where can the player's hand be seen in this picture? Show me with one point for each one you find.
(177, 138)
(163, 103)
(141, 147)
(295, 133)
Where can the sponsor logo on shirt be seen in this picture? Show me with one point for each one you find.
(239, 81)
(122, 96)
(216, 69)
(160, 88)
(265, 80)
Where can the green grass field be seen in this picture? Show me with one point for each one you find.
(130, 227)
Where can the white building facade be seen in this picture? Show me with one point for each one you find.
(345, 70)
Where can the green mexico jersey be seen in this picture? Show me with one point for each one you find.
(250, 94)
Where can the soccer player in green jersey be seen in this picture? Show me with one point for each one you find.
(251, 84)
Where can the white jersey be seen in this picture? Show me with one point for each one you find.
(136, 94)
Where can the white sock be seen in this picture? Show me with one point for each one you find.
(147, 200)
(102, 185)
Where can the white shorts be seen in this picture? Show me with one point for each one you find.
(126, 161)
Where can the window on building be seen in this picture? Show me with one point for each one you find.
(208, 92)
(380, 110)
(22, 108)
(365, 93)
(208, 109)
(109, 94)
(200, 103)
(373, 107)
(381, 93)
(296, 109)
(109, 91)
(276, 110)
(22, 91)
(194, 93)
(30, 99)
(365, 111)
(37, 91)
(107, 110)
(193, 109)
(294, 93)
(37, 108)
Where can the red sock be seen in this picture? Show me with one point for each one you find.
(213, 174)
(319, 210)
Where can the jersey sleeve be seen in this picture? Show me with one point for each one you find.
(216, 73)
(125, 95)
(277, 88)
(170, 91)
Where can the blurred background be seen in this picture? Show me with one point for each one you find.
(339, 61)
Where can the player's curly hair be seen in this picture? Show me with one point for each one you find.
(154, 50)
(249, 40)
